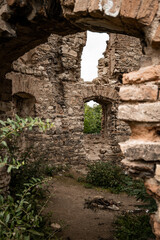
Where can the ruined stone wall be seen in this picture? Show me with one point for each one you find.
(122, 55)
(38, 89)
(46, 83)
(135, 18)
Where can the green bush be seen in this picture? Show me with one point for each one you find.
(20, 216)
(10, 133)
(110, 176)
(105, 175)
(133, 227)
(21, 212)
(92, 118)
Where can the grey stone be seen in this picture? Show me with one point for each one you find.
(143, 112)
(141, 150)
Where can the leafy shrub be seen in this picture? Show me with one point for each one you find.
(92, 118)
(105, 175)
(51, 170)
(21, 212)
(133, 227)
(110, 176)
(10, 133)
(20, 217)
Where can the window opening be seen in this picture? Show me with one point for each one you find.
(92, 118)
(92, 52)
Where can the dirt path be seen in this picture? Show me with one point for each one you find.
(67, 206)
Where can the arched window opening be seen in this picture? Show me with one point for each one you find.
(24, 104)
(92, 52)
(92, 117)
(98, 126)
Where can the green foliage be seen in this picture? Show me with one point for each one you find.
(105, 175)
(133, 227)
(21, 212)
(110, 176)
(10, 131)
(20, 216)
(51, 170)
(92, 118)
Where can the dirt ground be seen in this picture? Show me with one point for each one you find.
(66, 205)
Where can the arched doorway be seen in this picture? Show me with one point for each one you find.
(101, 145)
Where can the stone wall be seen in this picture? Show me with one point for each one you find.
(39, 79)
(135, 18)
(123, 54)
(46, 83)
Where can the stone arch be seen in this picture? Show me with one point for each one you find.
(99, 93)
(102, 144)
(105, 96)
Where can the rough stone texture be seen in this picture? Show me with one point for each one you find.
(141, 112)
(137, 150)
(157, 172)
(26, 24)
(145, 132)
(153, 188)
(143, 10)
(146, 74)
(139, 168)
(154, 220)
(46, 82)
(66, 17)
(123, 54)
(141, 93)
(38, 82)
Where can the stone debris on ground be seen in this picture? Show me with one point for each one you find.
(101, 203)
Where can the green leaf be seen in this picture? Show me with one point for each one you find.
(26, 237)
(4, 143)
(36, 233)
(7, 218)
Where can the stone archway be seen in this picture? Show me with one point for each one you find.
(136, 18)
(103, 146)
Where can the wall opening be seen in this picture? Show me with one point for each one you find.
(92, 52)
(24, 104)
(97, 127)
(92, 118)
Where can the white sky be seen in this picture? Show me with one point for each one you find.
(92, 52)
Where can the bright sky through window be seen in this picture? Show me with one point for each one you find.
(92, 52)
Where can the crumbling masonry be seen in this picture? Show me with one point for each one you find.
(26, 24)
(46, 83)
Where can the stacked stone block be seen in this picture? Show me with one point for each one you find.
(141, 110)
